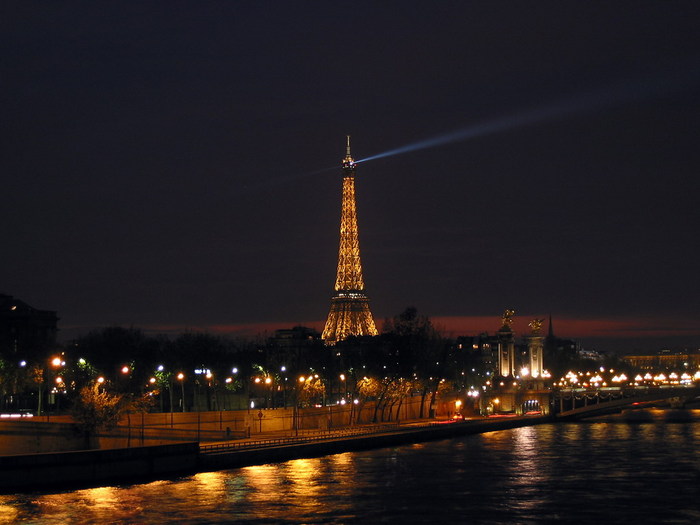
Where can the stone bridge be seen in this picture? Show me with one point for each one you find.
(582, 403)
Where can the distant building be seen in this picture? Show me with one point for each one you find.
(293, 347)
(478, 352)
(554, 345)
(25, 332)
(297, 336)
(665, 360)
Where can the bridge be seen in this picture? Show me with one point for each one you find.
(606, 400)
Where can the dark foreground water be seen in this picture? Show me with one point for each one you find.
(607, 472)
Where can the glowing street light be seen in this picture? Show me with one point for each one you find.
(181, 378)
(345, 386)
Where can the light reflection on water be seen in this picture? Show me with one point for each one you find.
(608, 472)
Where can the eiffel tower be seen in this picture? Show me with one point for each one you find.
(349, 313)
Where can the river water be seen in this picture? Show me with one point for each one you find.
(605, 472)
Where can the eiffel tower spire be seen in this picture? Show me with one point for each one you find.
(349, 314)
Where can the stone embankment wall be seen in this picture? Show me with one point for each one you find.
(92, 467)
(95, 467)
(57, 433)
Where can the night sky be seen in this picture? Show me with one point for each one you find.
(165, 164)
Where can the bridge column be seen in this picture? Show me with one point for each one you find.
(535, 347)
(506, 351)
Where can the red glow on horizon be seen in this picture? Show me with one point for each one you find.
(454, 326)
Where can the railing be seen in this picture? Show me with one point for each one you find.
(319, 435)
(619, 399)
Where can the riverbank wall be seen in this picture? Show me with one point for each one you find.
(99, 467)
(95, 467)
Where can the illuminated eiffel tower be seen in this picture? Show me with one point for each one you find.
(349, 313)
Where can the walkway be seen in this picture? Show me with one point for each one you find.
(289, 437)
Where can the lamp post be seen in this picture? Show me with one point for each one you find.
(297, 404)
(56, 363)
(181, 378)
(345, 385)
(59, 384)
(211, 396)
(268, 381)
(283, 369)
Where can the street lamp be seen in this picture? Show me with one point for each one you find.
(345, 386)
(55, 363)
(57, 390)
(268, 381)
(283, 369)
(181, 378)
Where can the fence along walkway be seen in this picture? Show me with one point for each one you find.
(307, 436)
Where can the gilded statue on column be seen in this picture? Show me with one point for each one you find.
(536, 326)
(508, 318)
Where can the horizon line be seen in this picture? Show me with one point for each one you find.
(565, 327)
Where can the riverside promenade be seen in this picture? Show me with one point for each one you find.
(286, 445)
(91, 468)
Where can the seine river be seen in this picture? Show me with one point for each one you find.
(604, 472)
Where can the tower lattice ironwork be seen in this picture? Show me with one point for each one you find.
(349, 314)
